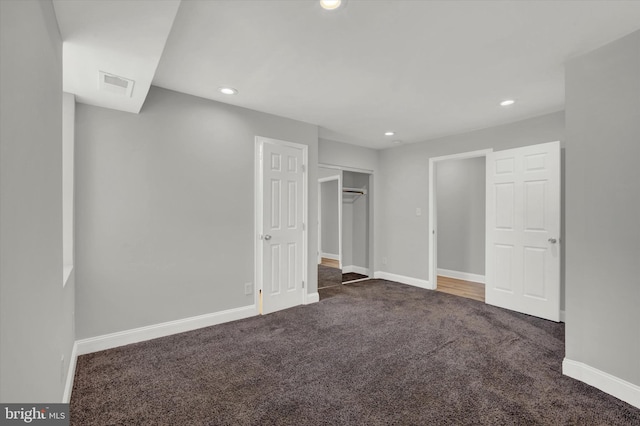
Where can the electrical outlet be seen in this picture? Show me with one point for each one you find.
(384, 260)
(248, 288)
(418, 211)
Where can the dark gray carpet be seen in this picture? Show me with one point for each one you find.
(370, 353)
(328, 277)
(351, 276)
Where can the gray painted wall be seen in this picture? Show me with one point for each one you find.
(345, 155)
(36, 311)
(324, 172)
(402, 237)
(360, 255)
(165, 209)
(355, 222)
(329, 217)
(347, 234)
(603, 208)
(461, 200)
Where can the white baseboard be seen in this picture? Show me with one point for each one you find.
(113, 340)
(312, 298)
(71, 373)
(357, 269)
(461, 275)
(330, 256)
(416, 282)
(621, 389)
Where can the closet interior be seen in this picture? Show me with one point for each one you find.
(344, 208)
(355, 226)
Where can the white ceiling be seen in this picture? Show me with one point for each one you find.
(124, 38)
(421, 68)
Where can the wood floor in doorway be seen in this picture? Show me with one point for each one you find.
(330, 263)
(468, 289)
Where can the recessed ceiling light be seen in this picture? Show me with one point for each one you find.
(330, 4)
(507, 102)
(228, 90)
(389, 133)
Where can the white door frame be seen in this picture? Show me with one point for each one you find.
(433, 216)
(258, 213)
(320, 182)
(345, 169)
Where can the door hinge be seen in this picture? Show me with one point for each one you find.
(303, 226)
(304, 168)
(302, 284)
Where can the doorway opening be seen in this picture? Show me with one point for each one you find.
(354, 227)
(523, 226)
(457, 224)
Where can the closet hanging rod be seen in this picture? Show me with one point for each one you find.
(354, 191)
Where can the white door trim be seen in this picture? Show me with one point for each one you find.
(319, 256)
(345, 169)
(321, 181)
(258, 213)
(433, 220)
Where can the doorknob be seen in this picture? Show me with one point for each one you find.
(267, 237)
(553, 240)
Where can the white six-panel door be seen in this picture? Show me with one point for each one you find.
(523, 230)
(282, 233)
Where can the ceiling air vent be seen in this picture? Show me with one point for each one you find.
(114, 84)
